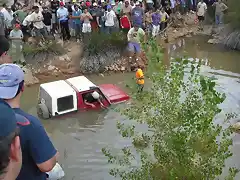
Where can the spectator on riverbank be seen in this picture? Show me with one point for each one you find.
(164, 19)
(39, 154)
(2, 25)
(94, 11)
(38, 25)
(134, 37)
(126, 9)
(85, 18)
(110, 20)
(54, 7)
(47, 19)
(76, 16)
(137, 14)
(62, 15)
(220, 7)
(156, 20)
(201, 11)
(8, 17)
(148, 21)
(16, 37)
(10, 148)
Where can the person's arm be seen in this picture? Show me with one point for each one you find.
(224, 7)
(82, 17)
(102, 105)
(89, 104)
(11, 35)
(198, 5)
(90, 16)
(142, 32)
(67, 13)
(21, 36)
(129, 35)
(98, 21)
(40, 147)
(58, 15)
(167, 16)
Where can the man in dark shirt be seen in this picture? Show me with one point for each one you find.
(10, 148)
(47, 17)
(38, 153)
(54, 7)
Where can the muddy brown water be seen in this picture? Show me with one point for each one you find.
(80, 137)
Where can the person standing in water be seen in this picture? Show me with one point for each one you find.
(139, 79)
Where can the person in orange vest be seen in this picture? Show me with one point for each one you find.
(140, 79)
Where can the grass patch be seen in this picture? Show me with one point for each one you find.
(48, 47)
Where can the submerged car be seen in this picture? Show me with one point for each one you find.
(66, 96)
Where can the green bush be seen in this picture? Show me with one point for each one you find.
(179, 108)
(101, 43)
(233, 15)
(48, 47)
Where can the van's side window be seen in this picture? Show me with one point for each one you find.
(65, 103)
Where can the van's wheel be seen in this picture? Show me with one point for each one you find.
(42, 111)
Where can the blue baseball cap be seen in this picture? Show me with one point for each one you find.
(11, 75)
(8, 121)
(109, 6)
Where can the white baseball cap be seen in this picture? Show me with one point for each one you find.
(137, 3)
(94, 4)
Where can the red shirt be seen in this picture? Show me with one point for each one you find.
(125, 23)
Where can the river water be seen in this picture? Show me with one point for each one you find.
(80, 137)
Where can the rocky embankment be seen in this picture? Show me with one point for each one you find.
(224, 35)
(75, 61)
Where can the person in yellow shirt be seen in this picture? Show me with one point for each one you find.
(164, 18)
(140, 79)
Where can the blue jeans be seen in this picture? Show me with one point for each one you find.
(218, 19)
(134, 47)
(109, 29)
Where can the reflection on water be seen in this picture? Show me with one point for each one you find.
(79, 137)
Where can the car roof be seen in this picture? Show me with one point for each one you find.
(58, 89)
(81, 83)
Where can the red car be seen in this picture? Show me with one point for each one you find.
(76, 94)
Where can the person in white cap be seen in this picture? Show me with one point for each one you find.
(91, 98)
(93, 12)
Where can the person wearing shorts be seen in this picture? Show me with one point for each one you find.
(134, 37)
(85, 18)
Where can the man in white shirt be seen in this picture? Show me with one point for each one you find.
(109, 20)
(38, 25)
(62, 15)
(201, 10)
(25, 27)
